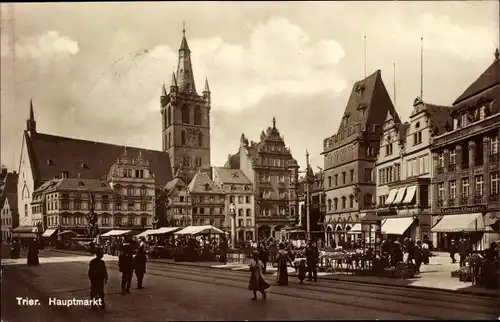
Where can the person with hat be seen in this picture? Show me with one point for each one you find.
(453, 251)
(283, 260)
(98, 276)
(140, 261)
(257, 281)
(312, 256)
(126, 267)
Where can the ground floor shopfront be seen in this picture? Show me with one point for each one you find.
(480, 229)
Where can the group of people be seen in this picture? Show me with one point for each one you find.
(418, 252)
(127, 264)
(284, 258)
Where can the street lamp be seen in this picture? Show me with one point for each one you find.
(232, 213)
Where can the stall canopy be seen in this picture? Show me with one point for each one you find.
(396, 226)
(164, 230)
(356, 229)
(24, 232)
(459, 223)
(49, 232)
(410, 194)
(400, 195)
(67, 232)
(113, 233)
(391, 197)
(146, 233)
(194, 230)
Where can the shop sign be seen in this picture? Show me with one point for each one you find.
(463, 209)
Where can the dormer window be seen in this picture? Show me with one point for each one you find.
(50, 162)
(65, 174)
(235, 175)
(84, 166)
(417, 125)
(207, 186)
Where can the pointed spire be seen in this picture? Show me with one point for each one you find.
(207, 89)
(185, 77)
(274, 122)
(174, 80)
(184, 44)
(163, 90)
(32, 114)
(497, 54)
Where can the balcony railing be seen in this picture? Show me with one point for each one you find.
(464, 200)
(493, 158)
(440, 170)
(478, 162)
(493, 197)
(478, 199)
(465, 165)
(452, 167)
(440, 203)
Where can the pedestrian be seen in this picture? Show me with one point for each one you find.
(312, 255)
(417, 252)
(302, 270)
(140, 261)
(263, 256)
(32, 256)
(98, 276)
(425, 253)
(126, 267)
(257, 281)
(283, 260)
(462, 251)
(453, 251)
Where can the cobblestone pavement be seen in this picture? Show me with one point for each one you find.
(163, 299)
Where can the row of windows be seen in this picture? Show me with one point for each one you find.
(6, 221)
(104, 221)
(241, 223)
(76, 205)
(208, 211)
(465, 186)
(334, 204)
(417, 166)
(208, 199)
(266, 177)
(343, 177)
(389, 174)
(493, 147)
(282, 211)
(130, 191)
(186, 117)
(132, 173)
(241, 199)
(266, 193)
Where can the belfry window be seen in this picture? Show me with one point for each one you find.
(197, 115)
(185, 114)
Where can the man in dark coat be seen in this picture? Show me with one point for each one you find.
(98, 275)
(312, 255)
(140, 261)
(453, 251)
(32, 256)
(462, 251)
(263, 256)
(126, 266)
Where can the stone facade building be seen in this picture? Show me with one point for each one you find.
(8, 204)
(208, 201)
(466, 163)
(350, 156)
(273, 171)
(240, 199)
(186, 119)
(179, 202)
(404, 171)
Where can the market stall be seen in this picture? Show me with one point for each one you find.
(195, 243)
(117, 233)
(162, 240)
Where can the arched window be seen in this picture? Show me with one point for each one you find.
(185, 114)
(200, 140)
(169, 140)
(351, 201)
(336, 203)
(168, 116)
(329, 204)
(344, 201)
(183, 137)
(144, 221)
(197, 115)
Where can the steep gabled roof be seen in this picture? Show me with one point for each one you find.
(50, 155)
(202, 183)
(367, 98)
(439, 117)
(231, 176)
(233, 161)
(488, 79)
(175, 183)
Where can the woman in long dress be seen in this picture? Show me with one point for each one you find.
(257, 282)
(32, 256)
(283, 260)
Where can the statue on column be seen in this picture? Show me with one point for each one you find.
(92, 228)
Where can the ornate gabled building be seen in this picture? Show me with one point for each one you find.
(273, 171)
(350, 156)
(466, 186)
(179, 202)
(186, 119)
(239, 199)
(208, 201)
(404, 170)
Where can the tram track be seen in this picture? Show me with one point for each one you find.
(378, 297)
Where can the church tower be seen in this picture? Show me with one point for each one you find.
(186, 119)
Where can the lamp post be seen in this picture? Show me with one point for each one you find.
(232, 213)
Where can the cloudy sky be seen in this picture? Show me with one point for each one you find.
(84, 66)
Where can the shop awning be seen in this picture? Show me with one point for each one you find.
(460, 222)
(164, 230)
(396, 226)
(194, 230)
(24, 235)
(410, 194)
(391, 197)
(399, 196)
(112, 233)
(24, 229)
(67, 232)
(49, 232)
(356, 229)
